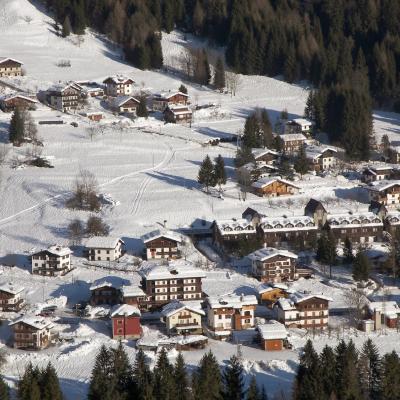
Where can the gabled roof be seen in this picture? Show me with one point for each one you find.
(124, 310)
(269, 252)
(179, 109)
(168, 95)
(288, 137)
(36, 322)
(272, 330)
(381, 186)
(103, 282)
(384, 307)
(257, 153)
(11, 288)
(342, 220)
(313, 152)
(375, 170)
(235, 226)
(177, 306)
(57, 250)
(263, 182)
(118, 79)
(61, 87)
(285, 223)
(312, 205)
(121, 100)
(265, 288)
(102, 242)
(302, 121)
(148, 237)
(232, 301)
(298, 297)
(132, 291)
(5, 59)
(172, 271)
(18, 95)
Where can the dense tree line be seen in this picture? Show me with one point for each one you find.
(347, 374)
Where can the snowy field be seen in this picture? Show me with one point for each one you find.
(148, 173)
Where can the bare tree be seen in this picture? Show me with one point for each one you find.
(232, 81)
(355, 300)
(95, 226)
(92, 131)
(30, 126)
(3, 154)
(76, 231)
(186, 62)
(85, 192)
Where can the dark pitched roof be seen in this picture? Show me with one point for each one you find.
(312, 205)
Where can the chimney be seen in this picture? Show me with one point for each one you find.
(377, 319)
(165, 223)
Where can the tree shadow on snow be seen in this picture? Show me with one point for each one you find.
(175, 180)
(359, 194)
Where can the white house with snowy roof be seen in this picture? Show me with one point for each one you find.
(321, 158)
(10, 67)
(11, 297)
(54, 261)
(104, 248)
(118, 85)
(291, 142)
(385, 192)
(183, 318)
(162, 244)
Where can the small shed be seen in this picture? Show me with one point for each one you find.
(273, 334)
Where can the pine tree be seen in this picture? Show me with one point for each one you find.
(328, 371)
(207, 380)
(79, 19)
(253, 392)
(122, 373)
(266, 129)
(141, 110)
(326, 249)
(168, 16)
(155, 51)
(251, 133)
(207, 69)
(219, 74)
(181, 379)
(50, 385)
(164, 383)
(143, 377)
(183, 89)
(4, 390)
(302, 165)
(219, 171)
(233, 380)
(66, 27)
(390, 384)
(17, 127)
(309, 111)
(361, 267)
(206, 175)
(370, 370)
(348, 256)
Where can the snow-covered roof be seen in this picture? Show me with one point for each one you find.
(18, 95)
(302, 122)
(342, 220)
(103, 282)
(172, 271)
(286, 304)
(269, 252)
(287, 223)
(289, 137)
(257, 153)
(102, 242)
(5, 59)
(384, 307)
(313, 152)
(124, 310)
(60, 87)
(235, 226)
(232, 301)
(34, 321)
(393, 218)
(57, 250)
(179, 109)
(263, 182)
(166, 95)
(148, 237)
(299, 297)
(132, 291)
(118, 79)
(121, 100)
(264, 288)
(177, 306)
(375, 170)
(381, 186)
(272, 330)
(11, 288)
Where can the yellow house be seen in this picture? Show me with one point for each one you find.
(183, 318)
(269, 294)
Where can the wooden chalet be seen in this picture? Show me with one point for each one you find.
(183, 318)
(230, 312)
(162, 284)
(266, 155)
(161, 244)
(269, 293)
(126, 322)
(274, 187)
(54, 261)
(124, 105)
(273, 335)
(161, 101)
(94, 92)
(178, 114)
(392, 223)
(288, 232)
(10, 67)
(299, 125)
(104, 292)
(33, 333)
(133, 295)
(302, 310)
(376, 173)
(118, 86)
(321, 158)
(272, 265)
(104, 248)
(292, 142)
(95, 116)
(11, 297)
(64, 98)
(385, 192)
(228, 234)
(11, 102)
(316, 210)
(358, 227)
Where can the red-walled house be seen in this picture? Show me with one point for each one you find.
(126, 322)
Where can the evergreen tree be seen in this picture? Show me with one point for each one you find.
(233, 379)
(141, 110)
(266, 129)
(207, 380)
(251, 133)
(183, 89)
(390, 385)
(122, 373)
(328, 371)
(302, 165)
(181, 379)
(348, 256)
(79, 17)
(28, 386)
(219, 74)
(219, 171)
(4, 390)
(370, 370)
(361, 267)
(50, 385)
(253, 392)
(143, 377)
(66, 27)
(155, 51)
(206, 175)
(207, 69)
(309, 111)
(168, 16)
(164, 383)
(17, 127)
(326, 249)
